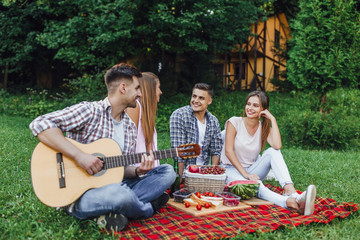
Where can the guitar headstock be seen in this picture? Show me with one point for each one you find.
(189, 150)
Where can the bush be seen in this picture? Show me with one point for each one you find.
(86, 88)
(325, 53)
(318, 130)
(11, 104)
(165, 109)
(300, 123)
(227, 104)
(336, 128)
(38, 102)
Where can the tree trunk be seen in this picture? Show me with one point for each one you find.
(6, 75)
(44, 76)
(322, 102)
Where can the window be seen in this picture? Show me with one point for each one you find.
(218, 70)
(277, 38)
(237, 71)
(276, 72)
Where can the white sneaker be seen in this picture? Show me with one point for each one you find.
(306, 200)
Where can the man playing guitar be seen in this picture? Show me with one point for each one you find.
(141, 193)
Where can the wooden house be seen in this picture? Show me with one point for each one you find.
(253, 64)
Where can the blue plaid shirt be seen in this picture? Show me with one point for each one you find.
(184, 129)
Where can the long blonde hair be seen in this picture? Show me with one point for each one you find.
(266, 123)
(148, 103)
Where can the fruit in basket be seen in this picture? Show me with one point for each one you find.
(245, 189)
(216, 170)
(194, 169)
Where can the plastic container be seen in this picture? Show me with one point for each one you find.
(181, 194)
(230, 200)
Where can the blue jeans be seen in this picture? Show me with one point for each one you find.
(271, 159)
(131, 197)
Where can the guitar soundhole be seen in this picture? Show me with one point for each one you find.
(102, 172)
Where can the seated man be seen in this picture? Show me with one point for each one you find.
(195, 124)
(142, 191)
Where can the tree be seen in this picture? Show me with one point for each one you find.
(89, 36)
(17, 39)
(289, 7)
(22, 57)
(326, 46)
(185, 35)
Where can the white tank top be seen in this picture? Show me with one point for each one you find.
(246, 147)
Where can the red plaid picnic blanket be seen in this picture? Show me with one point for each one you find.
(174, 224)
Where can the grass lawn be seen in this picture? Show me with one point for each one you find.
(22, 216)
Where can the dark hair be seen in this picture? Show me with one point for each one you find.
(205, 87)
(266, 123)
(121, 71)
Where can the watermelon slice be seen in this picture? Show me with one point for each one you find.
(245, 189)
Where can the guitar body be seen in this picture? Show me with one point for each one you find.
(46, 172)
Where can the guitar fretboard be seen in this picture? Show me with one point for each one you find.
(124, 160)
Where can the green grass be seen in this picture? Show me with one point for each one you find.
(22, 216)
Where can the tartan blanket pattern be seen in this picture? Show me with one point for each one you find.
(174, 224)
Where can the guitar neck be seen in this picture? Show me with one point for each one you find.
(124, 160)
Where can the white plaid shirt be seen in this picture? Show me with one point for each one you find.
(184, 129)
(86, 122)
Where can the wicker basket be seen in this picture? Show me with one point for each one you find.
(196, 182)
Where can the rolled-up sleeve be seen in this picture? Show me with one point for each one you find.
(216, 140)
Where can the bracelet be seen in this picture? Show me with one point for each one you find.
(136, 172)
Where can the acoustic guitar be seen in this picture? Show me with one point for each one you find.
(58, 181)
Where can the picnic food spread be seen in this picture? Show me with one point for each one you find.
(202, 195)
(205, 192)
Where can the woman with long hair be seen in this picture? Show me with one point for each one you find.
(245, 138)
(145, 112)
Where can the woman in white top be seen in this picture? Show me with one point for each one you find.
(245, 138)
